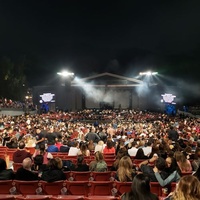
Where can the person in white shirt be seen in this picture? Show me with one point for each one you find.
(148, 149)
(73, 151)
(132, 151)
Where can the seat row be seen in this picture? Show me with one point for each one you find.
(56, 197)
(84, 188)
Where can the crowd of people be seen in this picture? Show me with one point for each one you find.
(169, 147)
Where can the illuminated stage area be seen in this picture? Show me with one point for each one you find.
(102, 91)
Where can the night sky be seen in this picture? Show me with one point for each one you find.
(88, 37)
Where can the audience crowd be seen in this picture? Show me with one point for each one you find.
(166, 146)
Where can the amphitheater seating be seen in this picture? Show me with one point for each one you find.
(33, 197)
(68, 197)
(77, 187)
(79, 176)
(26, 187)
(7, 197)
(122, 187)
(101, 176)
(101, 188)
(5, 186)
(53, 188)
(16, 166)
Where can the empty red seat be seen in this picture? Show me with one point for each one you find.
(33, 197)
(26, 187)
(68, 197)
(5, 186)
(101, 188)
(79, 176)
(77, 187)
(122, 187)
(101, 198)
(6, 197)
(101, 176)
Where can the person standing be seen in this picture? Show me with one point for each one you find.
(40, 138)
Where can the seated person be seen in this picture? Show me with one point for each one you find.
(21, 153)
(125, 172)
(24, 173)
(140, 189)
(81, 166)
(5, 174)
(98, 165)
(38, 163)
(148, 170)
(54, 171)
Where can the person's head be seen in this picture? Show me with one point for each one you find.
(126, 163)
(179, 156)
(27, 163)
(160, 164)
(59, 163)
(101, 143)
(197, 153)
(140, 154)
(2, 164)
(83, 148)
(52, 164)
(38, 160)
(188, 188)
(109, 144)
(125, 169)
(140, 187)
(80, 159)
(21, 145)
(99, 156)
(38, 131)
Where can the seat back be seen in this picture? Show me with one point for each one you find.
(16, 166)
(101, 198)
(5, 186)
(77, 187)
(26, 187)
(80, 176)
(101, 176)
(68, 197)
(156, 188)
(53, 188)
(122, 187)
(101, 188)
(33, 197)
(6, 197)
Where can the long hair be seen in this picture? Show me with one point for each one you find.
(99, 156)
(181, 160)
(125, 169)
(140, 188)
(188, 188)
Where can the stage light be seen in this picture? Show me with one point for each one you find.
(65, 73)
(149, 73)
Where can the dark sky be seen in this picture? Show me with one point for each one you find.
(87, 37)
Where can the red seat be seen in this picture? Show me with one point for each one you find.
(7, 197)
(101, 176)
(122, 187)
(186, 173)
(77, 187)
(101, 198)
(68, 197)
(16, 166)
(5, 186)
(26, 187)
(10, 153)
(173, 186)
(101, 188)
(53, 188)
(79, 176)
(33, 197)
(156, 188)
